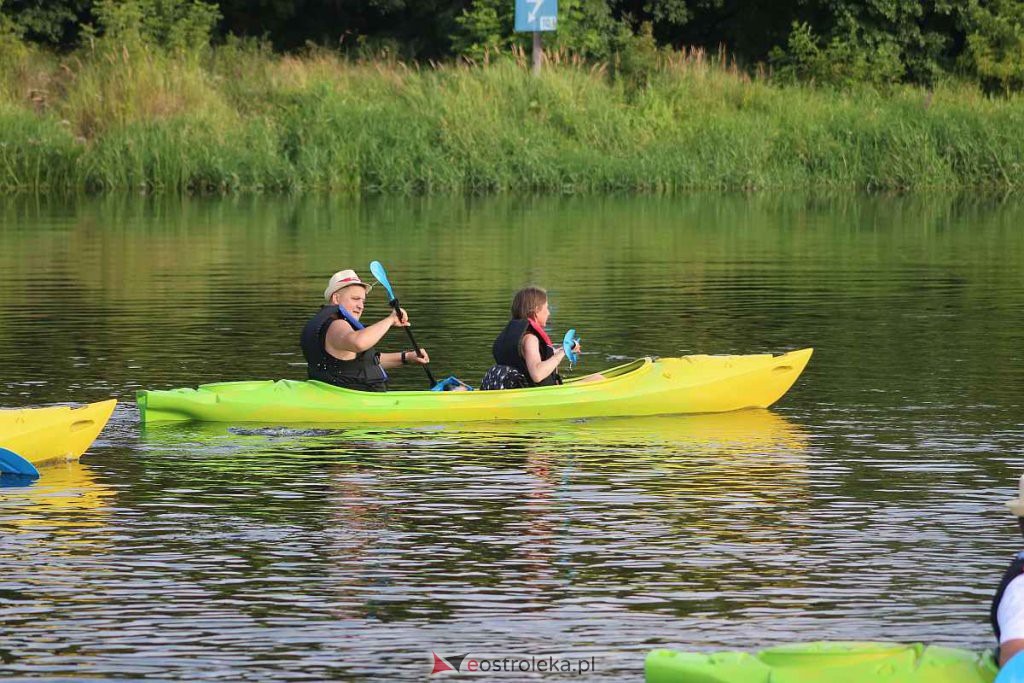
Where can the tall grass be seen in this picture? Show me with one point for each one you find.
(244, 119)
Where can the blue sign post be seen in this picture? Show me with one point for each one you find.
(536, 16)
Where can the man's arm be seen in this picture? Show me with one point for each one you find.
(394, 360)
(342, 338)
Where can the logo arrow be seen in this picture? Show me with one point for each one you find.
(536, 8)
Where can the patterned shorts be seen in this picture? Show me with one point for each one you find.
(503, 377)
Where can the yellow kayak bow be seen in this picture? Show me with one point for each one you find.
(54, 434)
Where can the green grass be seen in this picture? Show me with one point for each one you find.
(243, 119)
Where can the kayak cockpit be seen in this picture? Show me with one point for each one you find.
(618, 370)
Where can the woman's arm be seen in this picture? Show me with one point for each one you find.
(539, 369)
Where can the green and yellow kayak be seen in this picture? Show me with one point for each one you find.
(48, 435)
(691, 384)
(849, 662)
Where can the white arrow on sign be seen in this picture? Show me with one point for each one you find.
(536, 8)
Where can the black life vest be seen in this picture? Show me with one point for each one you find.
(1015, 569)
(363, 372)
(506, 351)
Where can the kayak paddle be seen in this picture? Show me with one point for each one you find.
(568, 342)
(12, 463)
(377, 269)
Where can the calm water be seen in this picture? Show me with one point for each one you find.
(866, 505)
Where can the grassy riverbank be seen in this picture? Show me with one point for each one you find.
(243, 119)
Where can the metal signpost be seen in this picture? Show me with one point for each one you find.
(536, 16)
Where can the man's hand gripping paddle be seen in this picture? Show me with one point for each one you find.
(377, 269)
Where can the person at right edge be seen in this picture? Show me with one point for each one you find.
(1007, 612)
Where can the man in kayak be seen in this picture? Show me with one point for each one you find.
(340, 350)
(1007, 612)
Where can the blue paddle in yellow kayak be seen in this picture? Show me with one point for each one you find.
(12, 463)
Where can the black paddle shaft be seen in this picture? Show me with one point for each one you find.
(415, 346)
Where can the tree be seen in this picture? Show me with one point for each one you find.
(994, 51)
(54, 22)
(877, 41)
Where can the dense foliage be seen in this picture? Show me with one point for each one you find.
(124, 115)
(830, 42)
(158, 95)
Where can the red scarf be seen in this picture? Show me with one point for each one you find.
(540, 332)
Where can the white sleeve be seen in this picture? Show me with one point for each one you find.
(1010, 613)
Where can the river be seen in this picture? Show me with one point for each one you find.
(868, 504)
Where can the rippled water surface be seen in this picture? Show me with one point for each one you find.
(865, 505)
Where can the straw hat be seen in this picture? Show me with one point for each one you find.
(343, 279)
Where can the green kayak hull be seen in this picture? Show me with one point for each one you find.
(666, 386)
(835, 662)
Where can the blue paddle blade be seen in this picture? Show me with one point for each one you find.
(12, 463)
(377, 269)
(568, 342)
(450, 383)
(1013, 672)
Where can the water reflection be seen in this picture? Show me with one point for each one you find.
(513, 510)
(751, 443)
(66, 500)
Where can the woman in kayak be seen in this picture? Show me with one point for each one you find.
(340, 350)
(523, 353)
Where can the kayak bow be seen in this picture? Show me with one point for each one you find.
(691, 384)
(47, 435)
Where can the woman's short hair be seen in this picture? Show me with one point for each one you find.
(528, 301)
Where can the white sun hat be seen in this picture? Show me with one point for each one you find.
(341, 280)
